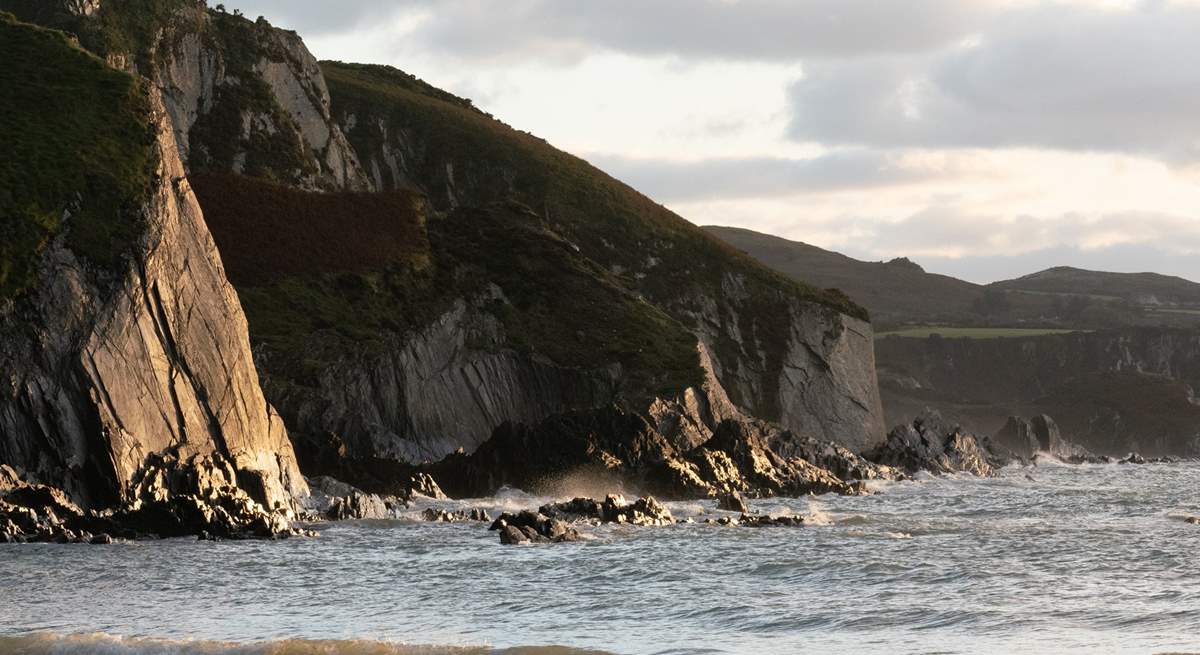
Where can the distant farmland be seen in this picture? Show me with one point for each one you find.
(970, 332)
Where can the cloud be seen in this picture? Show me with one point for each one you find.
(758, 177)
(952, 232)
(322, 16)
(722, 29)
(1060, 77)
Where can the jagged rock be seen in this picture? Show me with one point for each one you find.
(732, 502)
(929, 444)
(423, 484)
(455, 516)
(359, 505)
(1133, 458)
(527, 526)
(760, 521)
(643, 511)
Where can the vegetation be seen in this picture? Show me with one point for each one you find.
(75, 140)
(321, 275)
(971, 332)
(466, 154)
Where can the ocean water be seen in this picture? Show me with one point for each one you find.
(1053, 559)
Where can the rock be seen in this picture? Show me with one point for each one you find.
(732, 502)
(643, 511)
(102, 539)
(1133, 458)
(360, 505)
(1024, 439)
(929, 444)
(423, 484)
(760, 521)
(456, 516)
(1194, 520)
(527, 526)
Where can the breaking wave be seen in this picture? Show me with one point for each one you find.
(103, 644)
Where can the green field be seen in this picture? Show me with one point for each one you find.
(970, 332)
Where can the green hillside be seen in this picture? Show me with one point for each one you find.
(89, 139)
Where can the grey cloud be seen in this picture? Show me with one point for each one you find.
(316, 17)
(727, 29)
(709, 179)
(1065, 78)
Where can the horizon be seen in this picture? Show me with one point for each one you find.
(954, 136)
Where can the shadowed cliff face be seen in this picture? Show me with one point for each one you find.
(1112, 392)
(103, 371)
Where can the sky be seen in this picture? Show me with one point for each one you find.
(985, 139)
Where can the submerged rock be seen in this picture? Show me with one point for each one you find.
(455, 516)
(533, 527)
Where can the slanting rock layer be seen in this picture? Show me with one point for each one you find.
(109, 378)
(1025, 438)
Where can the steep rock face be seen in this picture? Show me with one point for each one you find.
(221, 74)
(433, 393)
(100, 377)
(822, 383)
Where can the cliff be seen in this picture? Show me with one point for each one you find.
(417, 274)
(1111, 391)
(113, 361)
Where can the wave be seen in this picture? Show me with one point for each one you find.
(104, 644)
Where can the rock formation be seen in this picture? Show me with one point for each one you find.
(1025, 438)
(930, 444)
(110, 375)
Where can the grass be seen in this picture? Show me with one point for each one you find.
(76, 139)
(971, 332)
(324, 277)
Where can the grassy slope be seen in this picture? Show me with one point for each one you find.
(75, 137)
(321, 275)
(609, 221)
(895, 292)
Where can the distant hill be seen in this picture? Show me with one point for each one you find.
(1142, 288)
(900, 292)
(895, 292)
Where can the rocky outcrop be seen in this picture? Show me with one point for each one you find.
(1025, 438)
(105, 377)
(695, 446)
(820, 383)
(930, 444)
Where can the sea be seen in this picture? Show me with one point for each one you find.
(1045, 559)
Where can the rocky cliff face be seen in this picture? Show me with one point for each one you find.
(786, 353)
(250, 98)
(100, 376)
(1112, 391)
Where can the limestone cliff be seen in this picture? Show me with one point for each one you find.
(108, 367)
